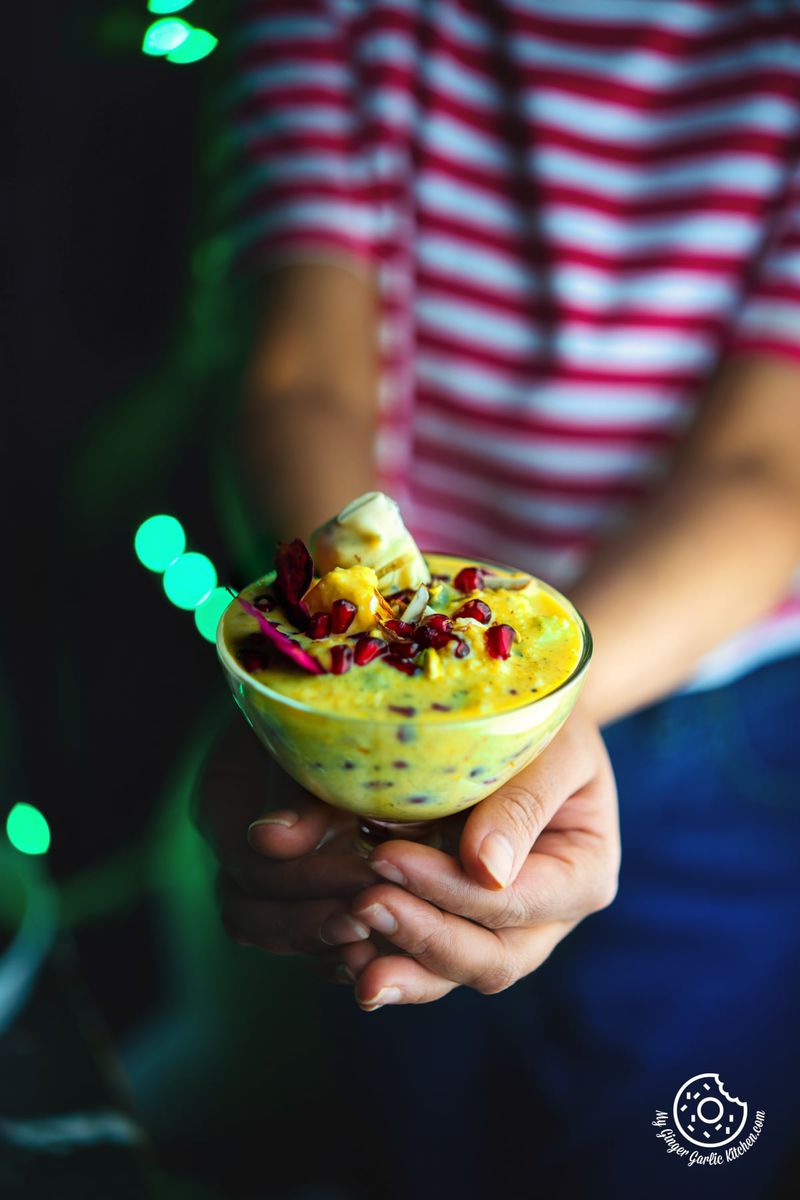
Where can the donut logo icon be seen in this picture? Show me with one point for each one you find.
(706, 1114)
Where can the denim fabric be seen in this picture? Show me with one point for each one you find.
(550, 1088)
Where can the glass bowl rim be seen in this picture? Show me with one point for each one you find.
(440, 719)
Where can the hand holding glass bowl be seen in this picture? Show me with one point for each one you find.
(419, 700)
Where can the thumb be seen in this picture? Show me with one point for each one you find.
(499, 833)
(501, 829)
(292, 824)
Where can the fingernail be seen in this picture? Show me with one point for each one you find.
(388, 871)
(286, 818)
(344, 974)
(387, 995)
(379, 918)
(497, 856)
(336, 931)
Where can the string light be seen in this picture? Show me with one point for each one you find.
(209, 611)
(159, 541)
(27, 829)
(165, 36)
(189, 579)
(167, 6)
(197, 45)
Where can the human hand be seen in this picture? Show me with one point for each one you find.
(536, 857)
(288, 863)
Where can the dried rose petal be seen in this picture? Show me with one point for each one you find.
(294, 574)
(281, 642)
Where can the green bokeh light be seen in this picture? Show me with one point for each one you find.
(167, 6)
(189, 579)
(28, 830)
(159, 541)
(165, 36)
(209, 611)
(197, 45)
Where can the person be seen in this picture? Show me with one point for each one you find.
(535, 271)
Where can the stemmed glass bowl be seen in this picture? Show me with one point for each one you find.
(400, 772)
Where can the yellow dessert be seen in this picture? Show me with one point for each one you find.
(425, 698)
(544, 653)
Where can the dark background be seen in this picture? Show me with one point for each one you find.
(102, 210)
(123, 339)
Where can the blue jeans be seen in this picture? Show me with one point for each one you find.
(550, 1088)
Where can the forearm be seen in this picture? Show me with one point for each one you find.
(308, 421)
(715, 549)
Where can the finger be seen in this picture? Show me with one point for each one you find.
(316, 876)
(239, 785)
(501, 830)
(571, 871)
(298, 826)
(396, 980)
(441, 880)
(449, 946)
(281, 927)
(345, 964)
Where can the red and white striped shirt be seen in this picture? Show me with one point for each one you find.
(574, 210)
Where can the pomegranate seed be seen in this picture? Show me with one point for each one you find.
(441, 707)
(319, 626)
(342, 613)
(462, 649)
(366, 649)
(426, 636)
(498, 640)
(341, 659)
(251, 661)
(478, 610)
(405, 649)
(405, 710)
(401, 629)
(439, 622)
(402, 664)
(264, 603)
(469, 579)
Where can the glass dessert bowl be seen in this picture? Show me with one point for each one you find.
(408, 706)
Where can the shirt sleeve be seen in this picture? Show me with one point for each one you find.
(769, 320)
(302, 184)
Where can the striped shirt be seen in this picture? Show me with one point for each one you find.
(574, 210)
